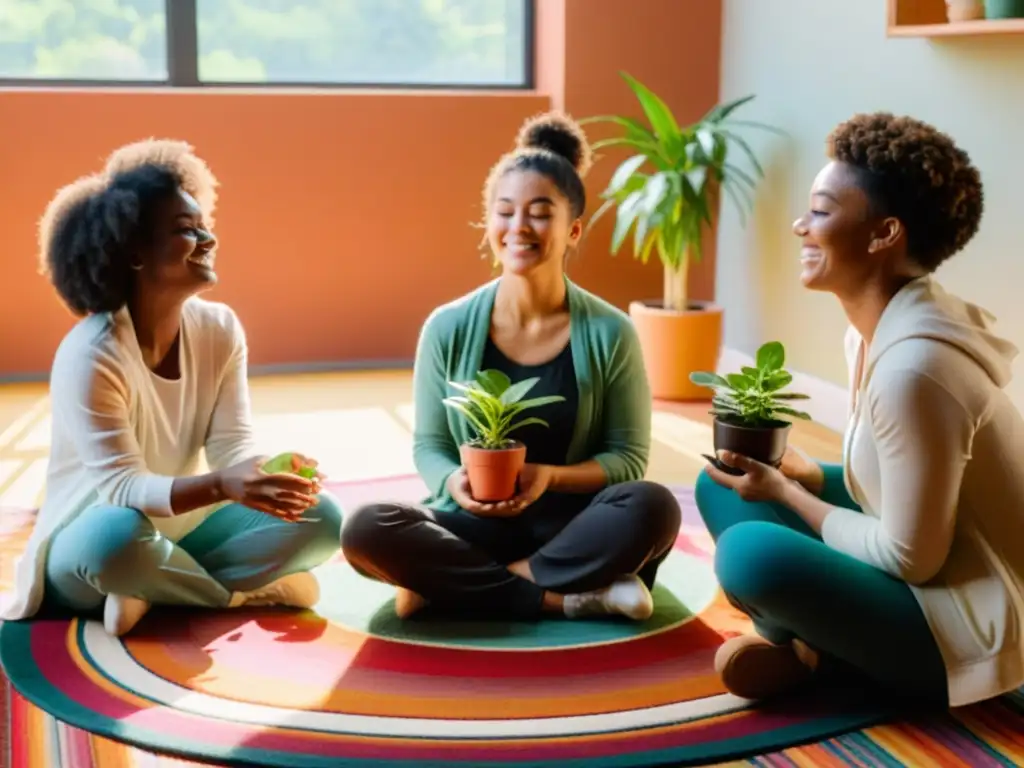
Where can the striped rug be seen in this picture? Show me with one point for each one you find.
(990, 734)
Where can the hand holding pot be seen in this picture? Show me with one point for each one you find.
(534, 480)
(760, 482)
(797, 466)
(458, 487)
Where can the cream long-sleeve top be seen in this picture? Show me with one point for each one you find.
(934, 454)
(121, 434)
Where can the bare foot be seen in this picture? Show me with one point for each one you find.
(407, 603)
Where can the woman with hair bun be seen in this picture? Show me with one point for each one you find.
(585, 534)
(904, 565)
(150, 377)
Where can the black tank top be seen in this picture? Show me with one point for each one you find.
(544, 445)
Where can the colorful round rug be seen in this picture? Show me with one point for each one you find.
(350, 685)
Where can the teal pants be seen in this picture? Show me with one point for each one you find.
(774, 568)
(116, 550)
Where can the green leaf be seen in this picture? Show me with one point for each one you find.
(777, 380)
(759, 126)
(706, 379)
(632, 126)
(606, 206)
(493, 381)
(624, 172)
(626, 215)
(791, 396)
(536, 402)
(660, 116)
(794, 413)
(479, 425)
(518, 391)
(526, 422)
(742, 144)
(739, 381)
(771, 356)
(754, 373)
(722, 111)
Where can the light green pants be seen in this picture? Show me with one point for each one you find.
(116, 550)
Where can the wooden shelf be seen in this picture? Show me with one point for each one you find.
(959, 28)
(927, 18)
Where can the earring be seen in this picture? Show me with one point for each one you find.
(136, 267)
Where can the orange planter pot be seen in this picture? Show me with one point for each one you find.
(493, 473)
(675, 344)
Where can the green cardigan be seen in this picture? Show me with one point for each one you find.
(613, 424)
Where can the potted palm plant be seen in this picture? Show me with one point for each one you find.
(666, 193)
(750, 407)
(492, 404)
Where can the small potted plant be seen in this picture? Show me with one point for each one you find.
(491, 404)
(749, 407)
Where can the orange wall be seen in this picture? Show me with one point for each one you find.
(344, 217)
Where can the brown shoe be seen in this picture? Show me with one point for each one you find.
(753, 668)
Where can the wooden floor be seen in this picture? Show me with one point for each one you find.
(358, 425)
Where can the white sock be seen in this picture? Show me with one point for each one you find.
(627, 596)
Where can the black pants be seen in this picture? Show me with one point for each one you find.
(457, 560)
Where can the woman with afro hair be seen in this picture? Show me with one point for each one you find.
(904, 566)
(586, 534)
(150, 377)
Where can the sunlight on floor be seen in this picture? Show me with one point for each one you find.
(358, 425)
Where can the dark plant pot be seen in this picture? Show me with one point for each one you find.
(1004, 9)
(493, 472)
(764, 444)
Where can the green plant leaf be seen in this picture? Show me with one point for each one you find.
(526, 422)
(658, 114)
(791, 396)
(739, 381)
(624, 172)
(517, 391)
(493, 381)
(759, 126)
(477, 424)
(739, 141)
(721, 111)
(536, 402)
(707, 379)
(771, 356)
(632, 126)
(754, 373)
(794, 413)
(628, 210)
(777, 380)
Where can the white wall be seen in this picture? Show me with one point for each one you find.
(812, 64)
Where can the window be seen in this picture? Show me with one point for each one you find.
(378, 43)
(83, 40)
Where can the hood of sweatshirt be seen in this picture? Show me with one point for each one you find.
(923, 309)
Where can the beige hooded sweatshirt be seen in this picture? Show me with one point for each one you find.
(934, 454)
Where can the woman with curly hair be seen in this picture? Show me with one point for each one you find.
(150, 377)
(905, 565)
(586, 534)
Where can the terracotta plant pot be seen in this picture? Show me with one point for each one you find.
(675, 344)
(493, 472)
(764, 444)
(965, 10)
(1004, 9)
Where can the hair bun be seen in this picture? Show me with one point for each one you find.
(560, 134)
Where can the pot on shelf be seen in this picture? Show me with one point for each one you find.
(1004, 9)
(965, 10)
